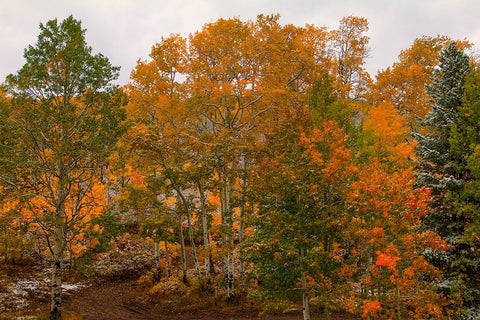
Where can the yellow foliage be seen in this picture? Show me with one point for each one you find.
(169, 286)
(96, 228)
(390, 134)
(77, 249)
(214, 200)
(170, 201)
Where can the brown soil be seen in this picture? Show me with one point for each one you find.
(115, 301)
(124, 300)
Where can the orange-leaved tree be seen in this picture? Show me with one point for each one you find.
(161, 135)
(386, 210)
(403, 84)
(350, 45)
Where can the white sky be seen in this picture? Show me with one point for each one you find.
(125, 30)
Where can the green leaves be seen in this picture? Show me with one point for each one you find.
(61, 64)
(63, 96)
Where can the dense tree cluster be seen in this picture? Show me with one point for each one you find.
(266, 153)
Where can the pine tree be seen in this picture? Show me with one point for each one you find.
(439, 169)
(433, 148)
(465, 150)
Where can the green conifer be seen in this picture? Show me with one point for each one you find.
(443, 167)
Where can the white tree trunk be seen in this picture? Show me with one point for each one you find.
(59, 241)
(56, 286)
(240, 240)
(227, 222)
(241, 219)
(204, 229)
(305, 308)
(184, 256)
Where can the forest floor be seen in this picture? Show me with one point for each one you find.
(25, 294)
(119, 300)
(123, 300)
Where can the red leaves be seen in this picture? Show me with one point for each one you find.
(377, 231)
(371, 308)
(387, 260)
(434, 241)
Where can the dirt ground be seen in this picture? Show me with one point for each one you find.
(113, 301)
(24, 294)
(120, 300)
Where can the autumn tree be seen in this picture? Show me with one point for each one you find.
(68, 117)
(350, 45)
(161, 134)
(300, 183)
(386, 210)
(222, 73)
(403, 84)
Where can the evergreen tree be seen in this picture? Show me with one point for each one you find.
(465, 150)
(443, 169)
(433, 147)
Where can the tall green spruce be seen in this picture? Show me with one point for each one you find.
(67, 117)
(446, 158)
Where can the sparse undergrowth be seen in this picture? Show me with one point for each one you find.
(151, 296)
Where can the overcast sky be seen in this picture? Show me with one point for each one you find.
(125, 30)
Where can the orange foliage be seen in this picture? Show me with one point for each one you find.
(388, 127)
(403, 84)
(371, 308)
(387, 260)
(243, 80)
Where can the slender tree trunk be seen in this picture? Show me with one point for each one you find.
(59, 241)
(56, 293)
(230, 276)
(204, 228)
(240, 240)
(184, 256)
(190, 232)
(167, 259)
(241, 230)
(227, 222)
(399, 312)
(305, 308)
(157, 254)
(5, 244)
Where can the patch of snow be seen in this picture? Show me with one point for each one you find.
(29, 285)
(72, 286)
